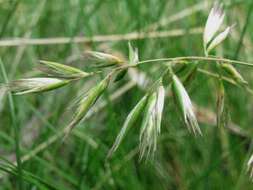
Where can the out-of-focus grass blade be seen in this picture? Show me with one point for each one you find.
(11, 169)
(120, 75)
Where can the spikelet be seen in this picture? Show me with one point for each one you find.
(231, 70)
(148, 133)
(61, 71)
(32, 85)
(219, 38)
(133, 54)
(159, 106)
(103, 59)
(133, 59)
(214, 21)
(87, 102)
(185, 106)
(151, 124)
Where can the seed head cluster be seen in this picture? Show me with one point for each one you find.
(147, 114)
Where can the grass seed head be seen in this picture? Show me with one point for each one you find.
(149, 132)
(231, 70)
(61, 71)
(151, 124)
(103, 58)
(31, 85)
(185, 106)
(219, 38)
(213, 24)
(159, 106)
(133, 59)
(87, 102)
(131, 118)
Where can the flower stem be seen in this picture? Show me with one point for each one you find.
(184, 59)
(196, 58)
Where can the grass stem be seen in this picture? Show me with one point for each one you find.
(196, 58)
(16, 129)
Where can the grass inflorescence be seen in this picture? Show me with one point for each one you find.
(150, 124)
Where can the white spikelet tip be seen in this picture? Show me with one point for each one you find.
(220, 38)
(213, 23)
(151, 124)
(148, 133)
(159, 106)
(185, 106)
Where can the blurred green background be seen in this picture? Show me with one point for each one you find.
(215, 161)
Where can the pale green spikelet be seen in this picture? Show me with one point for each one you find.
(61, 71)
(133, 54)
(151, 123)
(159, 106)
(148, 132)
(219, 38)
(87, 102)
(231, 70)
(32, 85)
(185, 106)
(103, 59)
(133, 59)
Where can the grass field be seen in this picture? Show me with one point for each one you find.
(32, 151)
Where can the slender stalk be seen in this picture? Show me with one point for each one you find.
(231, 81)
(183, 59)
(214, 75)
(16, 129)
(196, 58)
